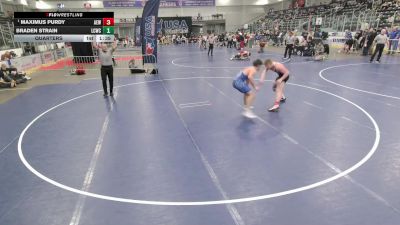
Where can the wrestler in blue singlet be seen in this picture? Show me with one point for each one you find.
(241, 83)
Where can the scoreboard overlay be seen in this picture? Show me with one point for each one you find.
(64, 26)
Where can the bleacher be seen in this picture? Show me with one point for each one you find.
(339, 15)
(7, 31)
(389, 14)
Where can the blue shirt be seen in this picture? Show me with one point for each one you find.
(394, 34)
(348, 35)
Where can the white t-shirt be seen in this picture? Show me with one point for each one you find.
(106, 57)
(381, 39)
(211, 40)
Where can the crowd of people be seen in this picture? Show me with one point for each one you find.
(10, 77)
(364, 41)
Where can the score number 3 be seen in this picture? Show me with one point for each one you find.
(108, 21)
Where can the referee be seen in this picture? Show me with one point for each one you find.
(106, 59)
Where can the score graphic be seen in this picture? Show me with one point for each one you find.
(108, 26)
(108, 22)
(64, 26)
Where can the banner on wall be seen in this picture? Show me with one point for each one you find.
(163, 3)
(167, 26)
(174, 25)
(148, 28)
(27, 62)
(47, 57)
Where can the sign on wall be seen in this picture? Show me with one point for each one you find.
(167, 26)
(318, 21)
(163, 3)
(174, 25)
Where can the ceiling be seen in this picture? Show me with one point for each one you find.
(218, 2)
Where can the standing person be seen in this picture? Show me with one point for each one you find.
(279, 85)
(174, 38)
(230, 41)
(200, 40)
(349, 42)
(289, 41)
(234, 41)
(211, 42)
(302, 44)
(241, 41)
(381, 40)
(241, 83)
(394, 40)
(204, 42)
(370, 40)
(107, 71)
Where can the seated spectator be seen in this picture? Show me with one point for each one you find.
(6, 56)
(319, 52)
(134, 68)
(14, 74)
(4, 84)
(6, 81)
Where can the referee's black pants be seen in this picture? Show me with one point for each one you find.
(289, 48)
(378, 49)
(211, 49)
(107, 72)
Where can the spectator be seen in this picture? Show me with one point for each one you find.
(211, 42)
(394, 37)
(6, 84)
(230, 41)
(319, 52)
(6, 56)
(12, 73)
(289, 41)
(302, 44)
(369, 42)
(6, 81)
(349, 42)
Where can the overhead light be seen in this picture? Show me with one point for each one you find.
(42, 5)
(262, 2)
(23, 2)
(223, 2)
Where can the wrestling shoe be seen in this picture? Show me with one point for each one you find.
(249, 114)
(274, 108)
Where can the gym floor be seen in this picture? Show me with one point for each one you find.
(173, 149)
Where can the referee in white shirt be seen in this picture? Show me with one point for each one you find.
(107, 71)
(211, 42)
(381, 40)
